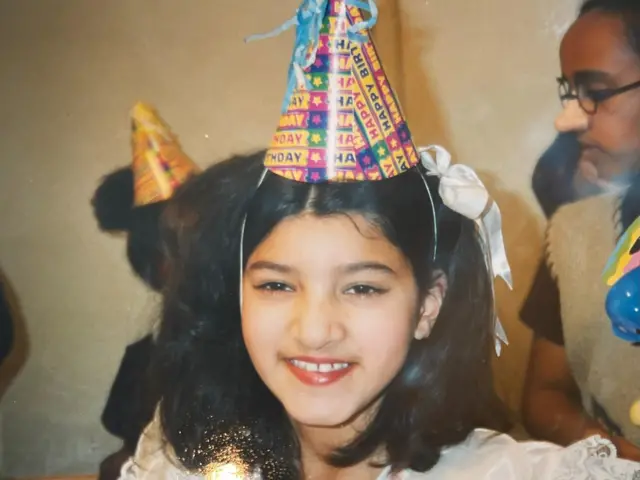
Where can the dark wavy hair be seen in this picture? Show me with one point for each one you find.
(214, 402)
(113, 208)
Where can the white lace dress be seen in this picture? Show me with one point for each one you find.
(485, 455)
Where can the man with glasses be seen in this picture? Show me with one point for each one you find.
(582, 380)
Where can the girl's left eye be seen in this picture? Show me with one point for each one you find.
(274, 287)
(364, 290)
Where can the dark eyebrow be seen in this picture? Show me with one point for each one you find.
(590, 76)
(362, 266)
(350, 268)
(264, 265)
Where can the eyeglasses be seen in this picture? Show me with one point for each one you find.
(590, 99)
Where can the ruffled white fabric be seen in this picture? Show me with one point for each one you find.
(485, 455)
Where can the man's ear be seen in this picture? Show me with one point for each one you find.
(431, 306)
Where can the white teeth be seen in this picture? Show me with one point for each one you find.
(319, 367)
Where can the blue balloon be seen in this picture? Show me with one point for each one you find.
(623, 306)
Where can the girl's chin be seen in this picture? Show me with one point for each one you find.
(319, 421)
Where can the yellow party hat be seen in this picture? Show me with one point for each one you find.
(159, 164)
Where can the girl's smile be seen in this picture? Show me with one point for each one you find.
(319, 371)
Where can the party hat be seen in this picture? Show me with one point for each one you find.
(159, 164)
(341, 120)
(625, 257)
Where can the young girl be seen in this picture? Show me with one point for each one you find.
(355, 354)
(335, 319)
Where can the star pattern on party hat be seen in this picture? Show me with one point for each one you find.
(160, 165)
(344, 122)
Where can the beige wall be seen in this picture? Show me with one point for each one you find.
(474, 76)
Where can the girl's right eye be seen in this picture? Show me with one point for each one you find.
(274, 287)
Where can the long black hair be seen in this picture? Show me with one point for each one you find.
(214, 405)
(113, 208)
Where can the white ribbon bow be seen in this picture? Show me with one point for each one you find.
(463, 192)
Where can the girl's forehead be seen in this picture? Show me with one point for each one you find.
(332, 239)
(308, 225)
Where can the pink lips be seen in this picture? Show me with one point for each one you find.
(319, 371)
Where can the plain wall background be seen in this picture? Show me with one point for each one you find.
(476, 77)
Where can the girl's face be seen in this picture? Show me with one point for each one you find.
(330, 308)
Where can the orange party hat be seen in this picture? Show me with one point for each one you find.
(341, 120)
(159, 164)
